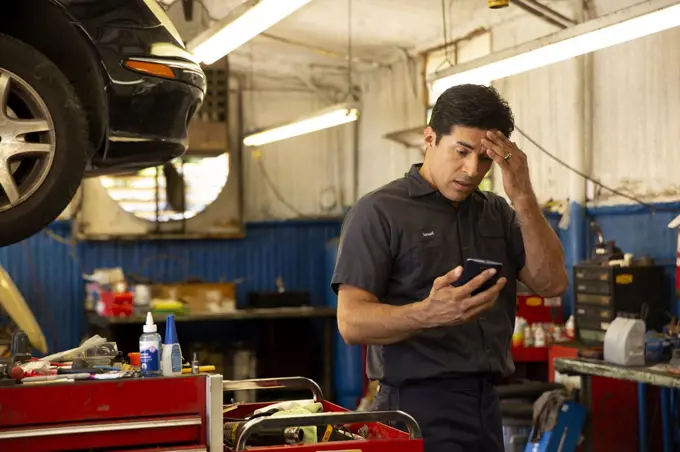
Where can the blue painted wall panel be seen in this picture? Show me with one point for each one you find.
(49, 277)
(571, 251)
(636, 230)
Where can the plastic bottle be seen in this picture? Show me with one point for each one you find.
(569, 327)
(518, 333)
(171, 362)
(150, 348)
(528, 336)
(539, 336)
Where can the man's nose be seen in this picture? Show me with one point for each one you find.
(471, 165)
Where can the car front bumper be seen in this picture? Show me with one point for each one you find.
(149, 117)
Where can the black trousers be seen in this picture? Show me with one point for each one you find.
(455, 415)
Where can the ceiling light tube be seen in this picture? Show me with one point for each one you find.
(324, 119)
(618, 27)
(229, 34)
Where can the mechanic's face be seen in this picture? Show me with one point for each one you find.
(456, 165)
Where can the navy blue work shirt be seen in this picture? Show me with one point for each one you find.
(397, 239)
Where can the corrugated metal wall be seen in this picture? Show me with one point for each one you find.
(48, 273)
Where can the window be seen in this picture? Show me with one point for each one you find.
(144, 194)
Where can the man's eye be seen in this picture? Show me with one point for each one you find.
(462, 151)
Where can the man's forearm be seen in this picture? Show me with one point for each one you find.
(372, 323)
(544, 254)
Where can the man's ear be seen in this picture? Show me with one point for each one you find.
(430, 137)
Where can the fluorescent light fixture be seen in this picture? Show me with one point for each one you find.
(229, 34)
(618, 27)
(330, 117)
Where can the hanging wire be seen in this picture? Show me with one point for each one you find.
(588, 178)
(350, 55)
(275, 190)
(447, 57)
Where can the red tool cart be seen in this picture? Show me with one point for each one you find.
(369, 427)
(178, 414)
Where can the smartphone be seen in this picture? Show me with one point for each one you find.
(474, 267)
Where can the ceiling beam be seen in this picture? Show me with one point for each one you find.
(545, 13)
(612, 19)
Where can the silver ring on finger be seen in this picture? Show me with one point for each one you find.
(507, 157)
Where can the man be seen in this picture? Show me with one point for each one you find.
(435, 349)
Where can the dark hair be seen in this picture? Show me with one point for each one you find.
(477, 106)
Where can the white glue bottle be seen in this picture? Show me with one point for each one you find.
(171, 361)
(150, 348)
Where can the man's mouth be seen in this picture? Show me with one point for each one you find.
(462, 185)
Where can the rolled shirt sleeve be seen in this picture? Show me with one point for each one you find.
(364, 257)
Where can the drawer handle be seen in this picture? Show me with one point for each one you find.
(100, 427)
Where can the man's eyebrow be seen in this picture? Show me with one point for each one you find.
(464, 144)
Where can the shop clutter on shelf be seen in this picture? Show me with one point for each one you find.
(538, 325)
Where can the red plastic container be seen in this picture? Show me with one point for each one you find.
(115, 304)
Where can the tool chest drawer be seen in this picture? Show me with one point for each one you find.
(593, 287)
(592, 274)
(592, 299)
(599, 314)
(591, 323)
(591, 336)
(594, 318)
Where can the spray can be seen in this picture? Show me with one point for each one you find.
(150, 348)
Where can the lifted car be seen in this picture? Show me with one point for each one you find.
(87, 87)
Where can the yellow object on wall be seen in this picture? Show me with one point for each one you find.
(498, 3)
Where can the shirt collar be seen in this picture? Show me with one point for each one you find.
(418, 186)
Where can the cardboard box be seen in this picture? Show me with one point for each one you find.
(200, 298)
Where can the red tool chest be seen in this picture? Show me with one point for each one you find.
(112, 414)
(178, 414)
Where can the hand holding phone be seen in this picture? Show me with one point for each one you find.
(475, 267)
(459, 296)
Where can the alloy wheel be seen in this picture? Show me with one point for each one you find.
(27, 140)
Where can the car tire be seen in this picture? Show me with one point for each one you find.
(50, 193)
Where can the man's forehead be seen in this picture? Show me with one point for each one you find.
(471, 143)
(469, 137)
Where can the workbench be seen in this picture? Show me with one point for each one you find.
(229, 327)
(645, 375)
